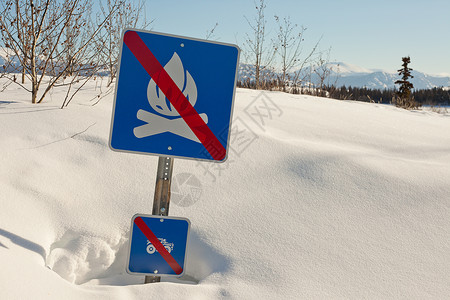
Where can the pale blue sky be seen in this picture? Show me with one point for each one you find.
(370, 34)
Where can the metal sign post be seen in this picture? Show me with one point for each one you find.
(161, 199)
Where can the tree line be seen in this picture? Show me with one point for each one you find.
(434, 96)
(312, 73)
(64, 43)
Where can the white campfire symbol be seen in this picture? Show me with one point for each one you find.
(159, 102)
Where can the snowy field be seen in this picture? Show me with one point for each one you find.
(320, 199)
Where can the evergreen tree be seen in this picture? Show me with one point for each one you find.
(404, 97)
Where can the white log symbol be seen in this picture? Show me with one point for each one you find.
(157, 124)
(176, 126)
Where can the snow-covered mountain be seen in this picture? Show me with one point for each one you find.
(350, 75)
(341, 74)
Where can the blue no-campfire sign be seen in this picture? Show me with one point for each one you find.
(158, 245)
(174, 96)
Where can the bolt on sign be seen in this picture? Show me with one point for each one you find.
(174, 96)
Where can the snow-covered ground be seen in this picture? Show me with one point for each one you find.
(319, 199)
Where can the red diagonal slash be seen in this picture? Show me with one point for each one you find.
(175, 96)
(158, 245)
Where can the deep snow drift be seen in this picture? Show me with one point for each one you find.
(319, 199)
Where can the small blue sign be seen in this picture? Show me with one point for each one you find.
(158, 245)
(147, 121)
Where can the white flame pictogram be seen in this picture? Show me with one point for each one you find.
(159, 102)
(182, 78)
